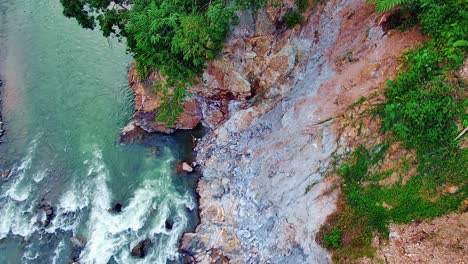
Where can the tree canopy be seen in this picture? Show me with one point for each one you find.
(175, 37)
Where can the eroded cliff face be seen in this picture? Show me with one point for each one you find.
(262, 194)
(271, 100)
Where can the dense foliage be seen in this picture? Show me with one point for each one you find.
(175, 37)
(423, 104)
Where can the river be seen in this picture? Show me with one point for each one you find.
(65, 99)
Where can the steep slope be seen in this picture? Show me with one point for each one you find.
(262, 193)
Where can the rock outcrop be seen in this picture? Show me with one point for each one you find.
(78, 244)
(141, 248)
(147, 104)
(46, 213)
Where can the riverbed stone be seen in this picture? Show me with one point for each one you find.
(45, 208)
(186, 167)
(6, 173)
(168, 224)
(141, 248)
(117, 208)
(78, 242)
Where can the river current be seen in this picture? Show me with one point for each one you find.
(65, 99)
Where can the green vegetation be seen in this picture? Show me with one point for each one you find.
(384, 5)
(333, 239)
(310, 186)
(301, 4)
(425, 108)
(174, 37)
(292, 18)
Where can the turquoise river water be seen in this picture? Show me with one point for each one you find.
(65, 99)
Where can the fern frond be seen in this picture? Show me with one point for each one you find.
(384, 5)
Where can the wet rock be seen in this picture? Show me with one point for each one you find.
(183, 167)
(155, 151)
(187, 259)
(78, 242)
(117, 208)
(141, 249)
(6, 173)
(186, 167)
(131, 133)
(48, 210)
(168, 224)
(218, 257)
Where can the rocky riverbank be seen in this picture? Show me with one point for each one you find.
(1, 107)
(270, 101)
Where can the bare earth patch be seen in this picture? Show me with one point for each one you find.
(441, 240)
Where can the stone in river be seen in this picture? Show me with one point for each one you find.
(6, 173)
(186, 167)
(168, 224)
(117, 208)
(141, 248)
(48, 210)
(183, 166)
(78, 242)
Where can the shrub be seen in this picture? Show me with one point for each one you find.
(173, 37)
(302, 4)
(333, 240)
(292, 18)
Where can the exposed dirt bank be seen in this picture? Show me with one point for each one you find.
(441, 240)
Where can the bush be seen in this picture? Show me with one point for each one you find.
(333, 240)
(302, 4)
(173, 37)
(292, 18)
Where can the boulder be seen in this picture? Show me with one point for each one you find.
(6, 173)
(131, 133)
(183, 166)
(187, 258)
(168, 224)
(186, 167)
(46, 208)
(117, 208)
(78, 242)
(140, 249)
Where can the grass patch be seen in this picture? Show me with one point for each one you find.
(358, 102)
